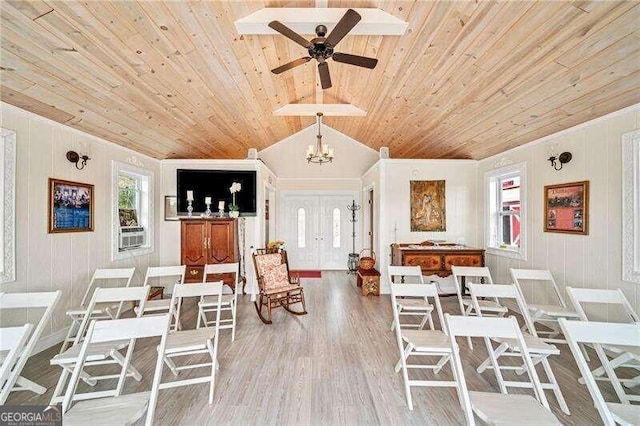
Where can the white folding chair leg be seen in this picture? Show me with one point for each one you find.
(233, 318)
(214, 367)
(405, 355)
(554, 386)
(496, 353)
(22, 383)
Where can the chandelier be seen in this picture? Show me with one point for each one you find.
(321, 153)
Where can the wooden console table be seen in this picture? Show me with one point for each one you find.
(436, 259)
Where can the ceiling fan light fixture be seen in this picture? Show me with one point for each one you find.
(320, 154)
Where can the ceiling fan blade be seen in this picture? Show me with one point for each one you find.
(325, 77)
(289, 33)
(346, 23)
(292, 64)
(359, 61)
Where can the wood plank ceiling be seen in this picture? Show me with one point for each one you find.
(173, 79)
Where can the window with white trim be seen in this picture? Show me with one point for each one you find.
(132, 211)
(505, 217)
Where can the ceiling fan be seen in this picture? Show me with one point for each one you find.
(321, 47)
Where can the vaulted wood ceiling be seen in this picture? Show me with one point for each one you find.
(174, 80)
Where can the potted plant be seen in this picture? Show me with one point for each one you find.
(234, 209)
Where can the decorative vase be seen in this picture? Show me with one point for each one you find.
(234, 214)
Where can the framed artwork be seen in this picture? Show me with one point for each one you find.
(171, 207)
(566, 208)
(428, 205)
(70, 206)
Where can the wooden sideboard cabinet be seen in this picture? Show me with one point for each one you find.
(207, 241)
(435, 260)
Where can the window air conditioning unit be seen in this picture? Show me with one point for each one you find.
(131, 237)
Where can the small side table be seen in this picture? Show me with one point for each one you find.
(369, 281)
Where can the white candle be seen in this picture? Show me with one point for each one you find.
(220, 205)
(331, 152)
(207, 200)
(189, 195)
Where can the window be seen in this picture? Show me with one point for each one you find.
(336, 228)
(302, 233)
(505, 212)
(132, 211)
(631, 206)
(7, 206)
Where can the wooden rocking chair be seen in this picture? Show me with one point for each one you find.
(278, 288)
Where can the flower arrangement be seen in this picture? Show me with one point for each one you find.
(235, 187)
(276, 244)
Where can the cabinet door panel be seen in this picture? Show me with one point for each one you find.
(428, 262)
(462, 260)
(194, 235)
(222, 241)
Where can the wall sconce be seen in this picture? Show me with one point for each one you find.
(564, 158)
(76, 158)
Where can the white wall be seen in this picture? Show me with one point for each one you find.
(287, 157)
(595, 260)
(395, 222)
(47, 262)
(254, 226)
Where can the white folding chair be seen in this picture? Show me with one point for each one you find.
(601, 334)
(99, 354)
(12, 343)
(623, 356)
(186, 343)
(539, 350)
(101, 311)
(229, 300)
(46, 301)
(420, 342)
(497, 408)
(410, 305)
(176, 273)
(463, 275)
(111, 407)
(545, 314)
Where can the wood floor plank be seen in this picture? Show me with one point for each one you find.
(333, 366)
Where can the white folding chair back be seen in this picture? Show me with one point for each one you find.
(410, 306)
(497, 408)
(462, 276)
(229, 297)
(116, 408)
(12, 341)
(621, 356)
(177, 273)
(100, 354)
(433, 343)
(76, 313)
(46, 301)
(187, 343)
(545, 314)
(603, 334)
(538, 348)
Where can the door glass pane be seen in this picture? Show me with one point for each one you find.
(336, 228)
(301, 228)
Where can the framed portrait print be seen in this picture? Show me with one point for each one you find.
(428, 205)
(171, 207)
(70, 206)
(566, 208)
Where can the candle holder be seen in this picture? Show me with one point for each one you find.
(189, 208)
(207, 212)
(221, 212)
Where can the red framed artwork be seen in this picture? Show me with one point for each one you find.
(566, 208)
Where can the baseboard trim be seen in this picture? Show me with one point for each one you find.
(51, 340)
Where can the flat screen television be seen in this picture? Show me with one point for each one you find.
(216, 184)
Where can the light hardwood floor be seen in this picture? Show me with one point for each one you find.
(332, 366)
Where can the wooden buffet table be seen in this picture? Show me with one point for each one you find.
(436, 259)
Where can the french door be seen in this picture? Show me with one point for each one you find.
(318, 231)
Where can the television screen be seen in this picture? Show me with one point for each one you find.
(216, 184)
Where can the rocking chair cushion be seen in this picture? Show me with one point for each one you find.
(266, 262)
(276, 277)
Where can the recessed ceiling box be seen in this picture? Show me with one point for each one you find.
(304, 21)
(327, 110)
